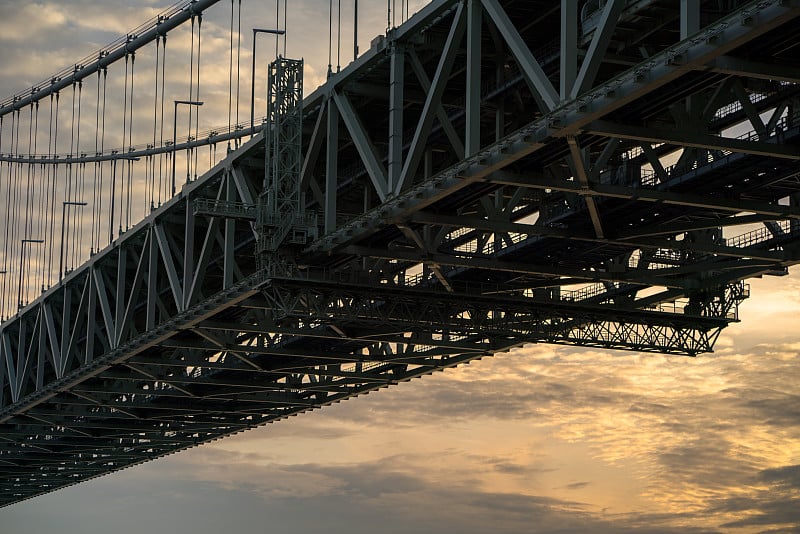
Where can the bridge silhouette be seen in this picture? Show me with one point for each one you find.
(488, 174)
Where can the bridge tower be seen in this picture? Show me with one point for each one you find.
(282, 221)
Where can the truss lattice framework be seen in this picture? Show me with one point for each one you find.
(282, 211)
(611, 186)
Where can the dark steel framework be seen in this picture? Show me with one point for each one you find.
(480, 181)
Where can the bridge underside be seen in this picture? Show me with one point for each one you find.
(608, 185)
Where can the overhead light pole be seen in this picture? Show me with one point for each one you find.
(256, 31)
(175, 133)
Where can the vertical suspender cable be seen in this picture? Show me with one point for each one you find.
(161, 142)
(38, 193)
(113, 200)
(12, 178)
(101, 185)
(5, 241)
(26, 230)
(238, 63)
(152, 184)
(39, 199)
(197, 92)
(355, 30)
(286, 33)
(330, 37)
(191, 108)
(51, 250)
(130, 144)
(16, 200)
(9, 222)
(124, 131)
(95, 214)
(79, 181)
(2, 267)
(230, 79)
(46, 266)
(65, 221)
(339, 36)
(77, 186)
(277, 24)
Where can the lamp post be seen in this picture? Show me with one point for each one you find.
(22, 267)
(63, 220)
(256, 31)
(175, 133)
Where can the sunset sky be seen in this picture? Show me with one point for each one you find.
(541, 439)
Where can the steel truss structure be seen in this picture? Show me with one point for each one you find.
(611, 184)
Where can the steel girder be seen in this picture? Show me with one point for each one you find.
(509, 211)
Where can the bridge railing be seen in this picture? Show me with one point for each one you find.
(783, 229)
(426, 281)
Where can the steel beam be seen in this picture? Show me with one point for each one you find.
(542, 88)
(683, 137)
(597, 48)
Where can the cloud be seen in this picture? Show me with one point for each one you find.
(577, 485)
(391, 495)
(693, 432)
(787, 476)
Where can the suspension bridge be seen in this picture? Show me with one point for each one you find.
(487, 174)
